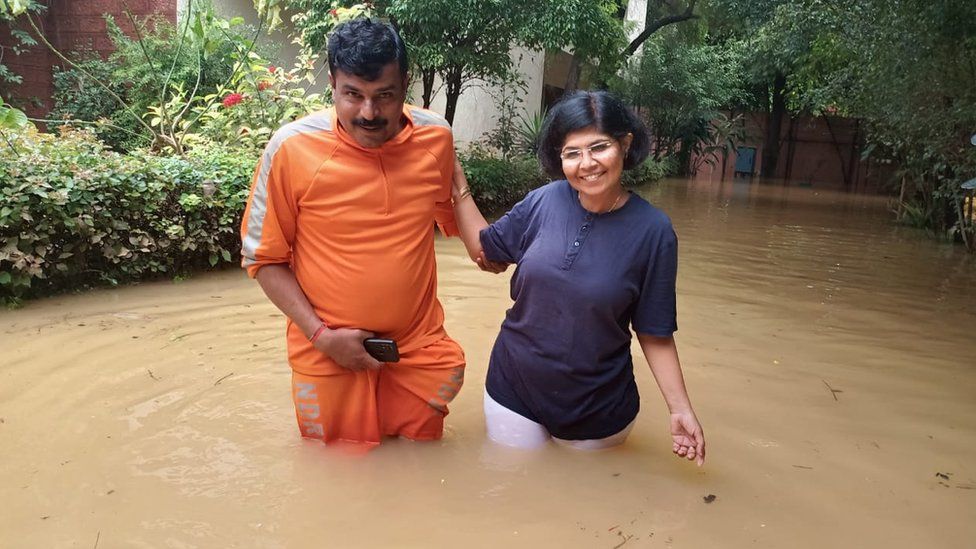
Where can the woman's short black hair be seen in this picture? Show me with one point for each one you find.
(599, 110)
(364, 46)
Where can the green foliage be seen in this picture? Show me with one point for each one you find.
(459, 40)
(202, 58)
(74, 215)
(529, 131)
(651, 170)
(591, 31)
(11, 118)
(315, 19)
(498, 183)
(679, 87)
(907, 69)
(13, 8)
(462, 42)
(258, 100)
(174, 76)
(78, 97)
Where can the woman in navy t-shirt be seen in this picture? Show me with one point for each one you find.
(592, 261)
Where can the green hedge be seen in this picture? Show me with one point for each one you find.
(73, 214)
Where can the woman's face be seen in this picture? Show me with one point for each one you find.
(593, 161)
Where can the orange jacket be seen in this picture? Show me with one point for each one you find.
(356, 227)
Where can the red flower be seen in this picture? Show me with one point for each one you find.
(263, 85)
(334, 13)
(232, 99)
(272, 69)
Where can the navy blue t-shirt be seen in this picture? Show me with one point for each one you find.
(562, 357)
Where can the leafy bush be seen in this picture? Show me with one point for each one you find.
(264, 98)
(202, 57)
(73, 214)
(77, 97)
(497, 183)
(650, 170)
(166, 74)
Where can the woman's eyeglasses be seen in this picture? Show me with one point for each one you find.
(600, 150)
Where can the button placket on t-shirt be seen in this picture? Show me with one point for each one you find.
(577, 244)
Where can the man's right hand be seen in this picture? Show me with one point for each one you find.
(345, 346)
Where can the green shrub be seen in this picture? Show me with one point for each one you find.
(165, 74)
(650, 170)
(76, 97)
(73, 214)
(497, 184)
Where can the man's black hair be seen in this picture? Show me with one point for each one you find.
(362, 47)
(599, 110)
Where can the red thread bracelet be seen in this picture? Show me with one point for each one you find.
(317, 333)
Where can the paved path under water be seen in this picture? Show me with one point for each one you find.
(830, 356)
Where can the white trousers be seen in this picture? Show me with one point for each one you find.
(511, 429)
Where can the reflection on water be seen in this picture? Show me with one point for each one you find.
(829, 354)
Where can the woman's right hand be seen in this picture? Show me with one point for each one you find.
(490, 266)
(688, 437)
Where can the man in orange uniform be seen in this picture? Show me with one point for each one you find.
(338, 232)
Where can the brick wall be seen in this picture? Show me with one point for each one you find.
(813, 150)
(69, 25)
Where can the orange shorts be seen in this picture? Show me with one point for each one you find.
(408, 398)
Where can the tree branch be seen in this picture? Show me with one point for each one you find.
(179, 50)
(657, 25)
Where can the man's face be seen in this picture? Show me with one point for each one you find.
(370, 110)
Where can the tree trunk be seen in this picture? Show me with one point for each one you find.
(840, 154)
(855, 155)
(453, 92)
(790, 148)
(774, 126)
(427, 77)
(901, 199)
(572, 80)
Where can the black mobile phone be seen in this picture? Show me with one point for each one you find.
(383, 350)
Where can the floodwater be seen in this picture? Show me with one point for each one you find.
(830, 356)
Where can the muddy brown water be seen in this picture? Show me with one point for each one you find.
(829, 354)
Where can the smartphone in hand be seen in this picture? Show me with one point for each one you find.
(383, 350)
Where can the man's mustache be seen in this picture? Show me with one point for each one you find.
(370, 124)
